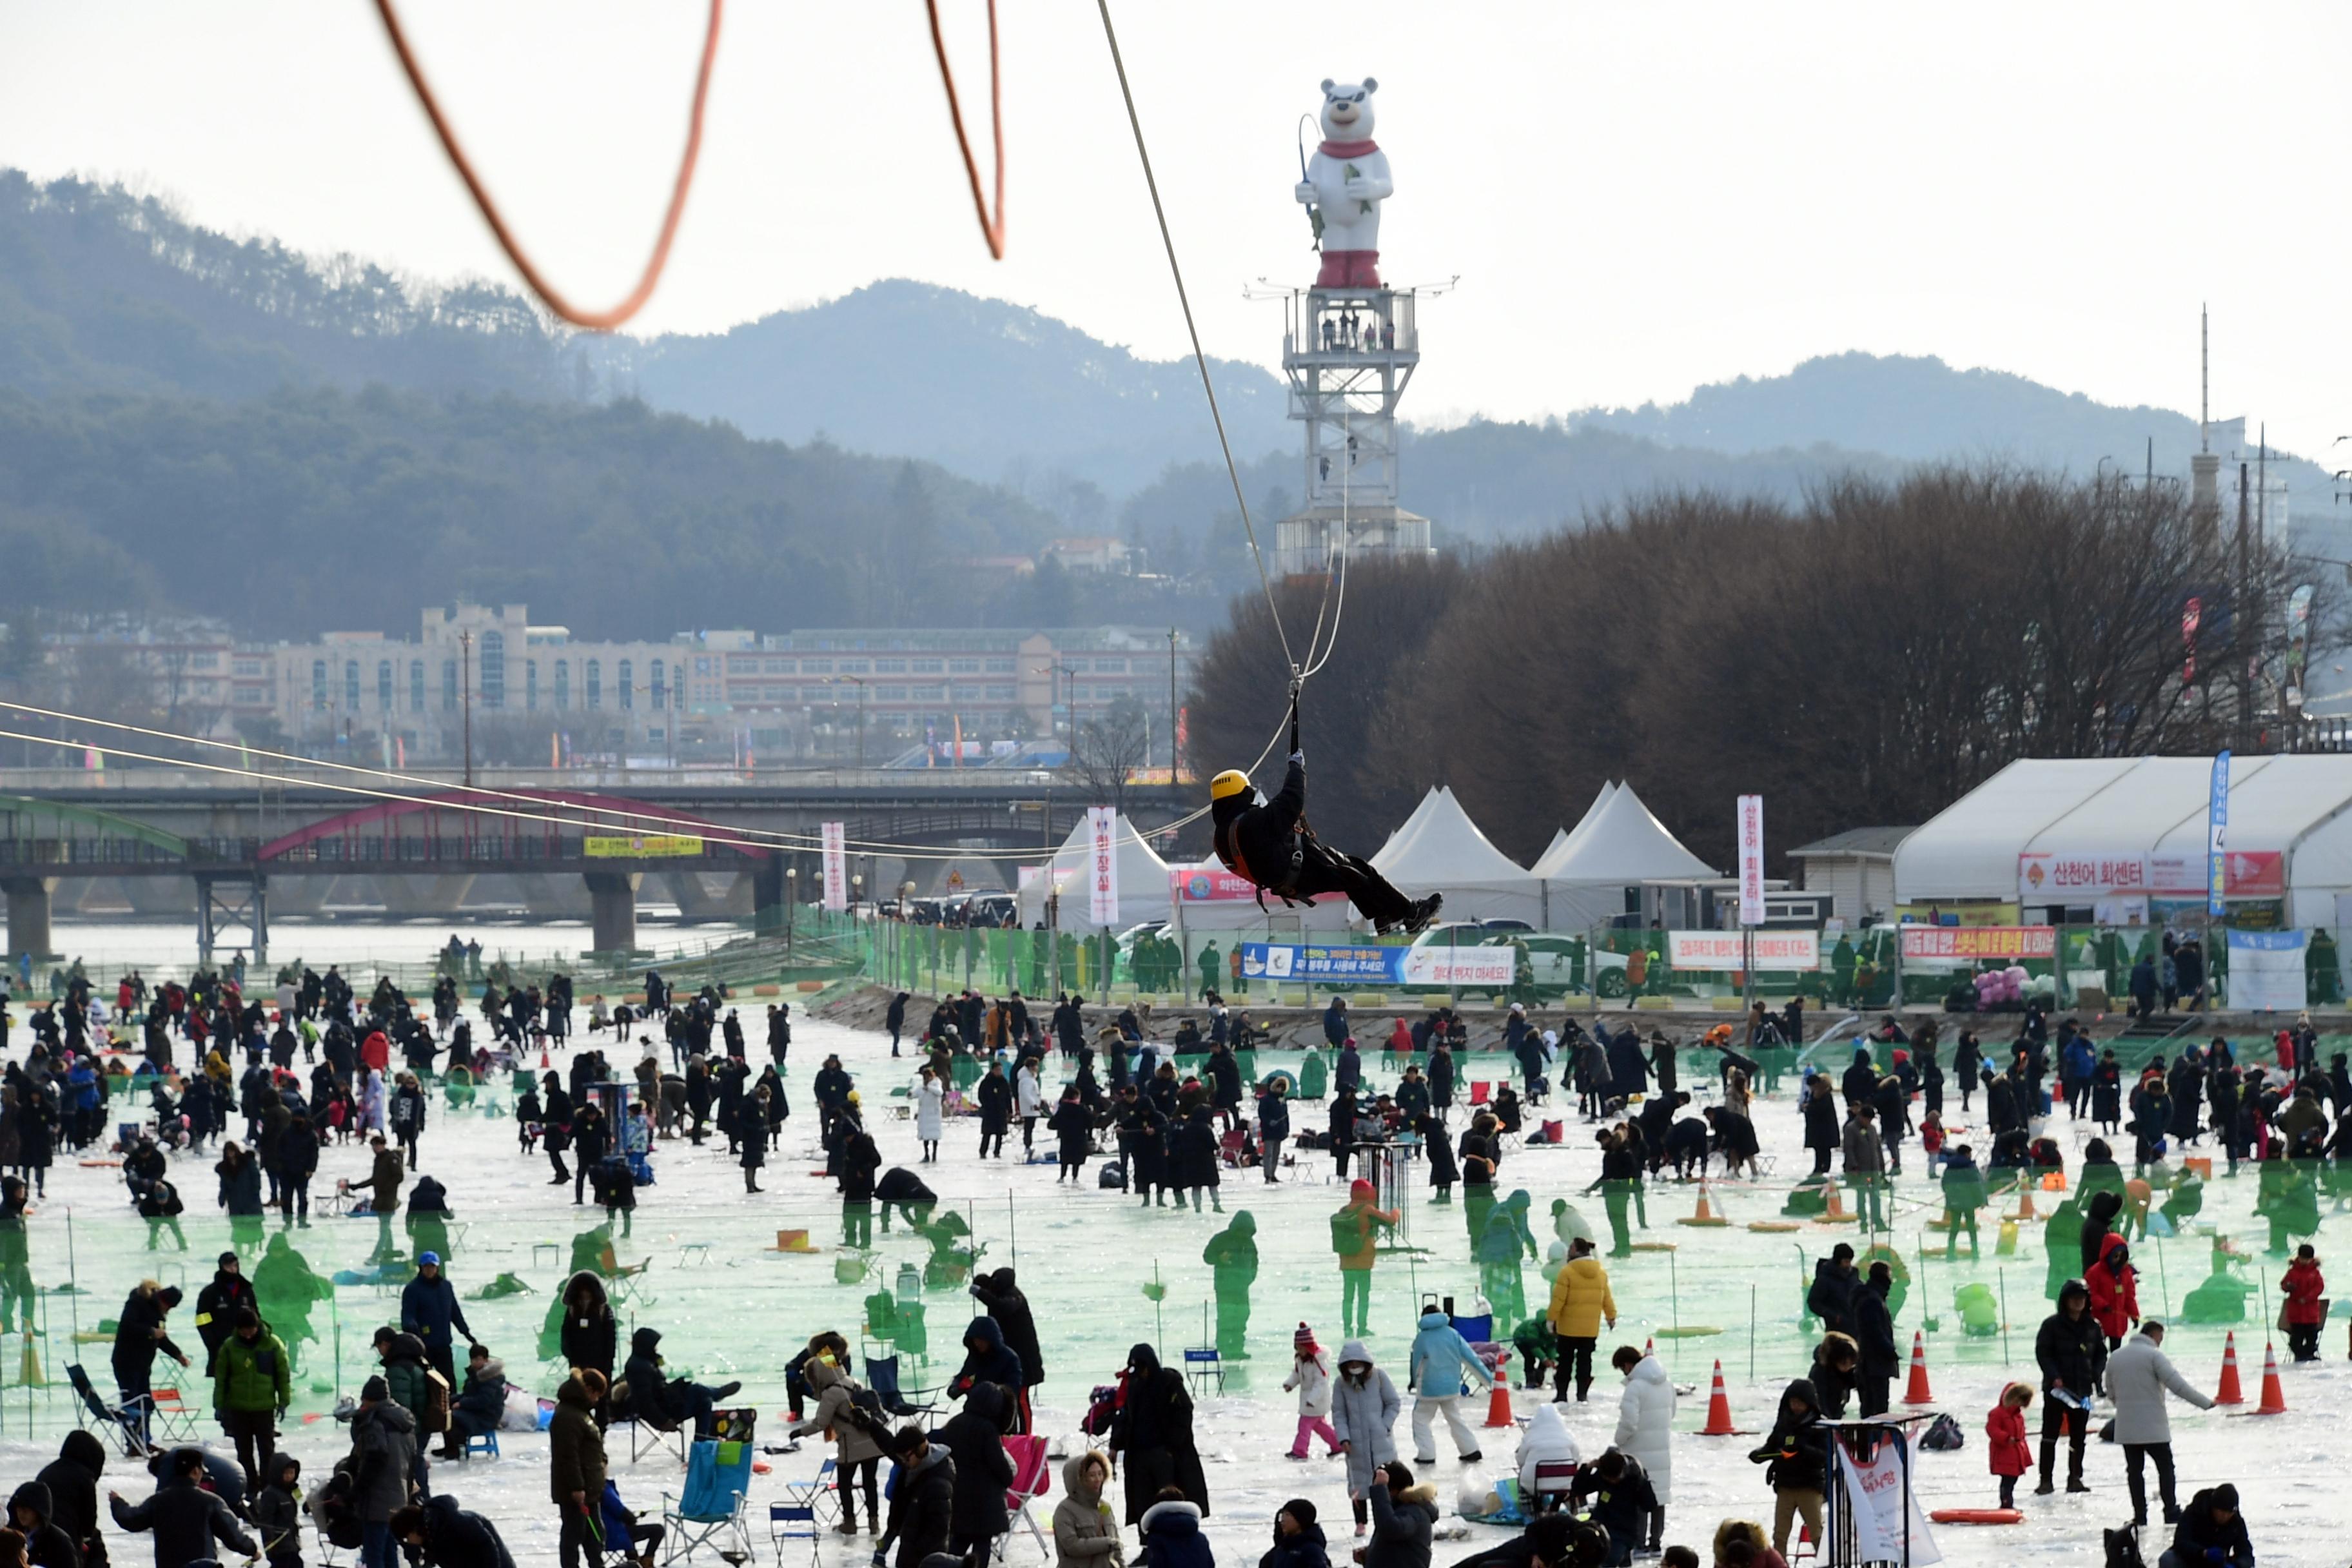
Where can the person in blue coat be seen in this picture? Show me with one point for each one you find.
(429, 1309)
(1443, 1366)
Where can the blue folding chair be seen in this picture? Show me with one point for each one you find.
(710, 1511)
(882, 1377)
(793, 1521)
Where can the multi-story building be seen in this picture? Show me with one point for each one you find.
(795, 694)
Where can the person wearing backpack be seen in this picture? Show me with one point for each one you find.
(1355, 1231)
(854, 1415)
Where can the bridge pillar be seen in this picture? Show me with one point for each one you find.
(766, 877)
(613, 896)
(407, 896)
(226, 901)
(28, 915)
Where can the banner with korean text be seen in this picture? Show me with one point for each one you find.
(1726, 949)
(834, 836)
(1102, 864)
(1980, 941)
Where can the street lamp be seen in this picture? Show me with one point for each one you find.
(792, 897)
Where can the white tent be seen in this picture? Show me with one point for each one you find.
(1565, 841)
(2072, 832)
(1619, 845)
(1444, 853)
(1412, 825)
(1142, 881)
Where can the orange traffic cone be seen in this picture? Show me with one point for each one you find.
(2024, 1201)
(1918, 1393)
(1649, 1347)
(542, 1057)
(2273, 1393)
(1498, 1403)
(1835, 1209)
(1718, 1409)
(2230, 1393)
(1704, 1214)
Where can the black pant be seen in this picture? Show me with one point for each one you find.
(1327, 870)
(579, 1542)
(2135, 1456)
(294, 1195)
(846, 1477)
(2054, 1419)
(2009, 1491)
(555, 1158)
(1575, 1361)
(2303, 1339)
(255, 1432)
(1871, 1389)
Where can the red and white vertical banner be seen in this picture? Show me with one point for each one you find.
(835, 835)
(1102, 868)
(1751, 859)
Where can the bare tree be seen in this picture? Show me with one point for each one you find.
(1104, 750)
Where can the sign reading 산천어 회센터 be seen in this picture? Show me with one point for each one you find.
(1432, 965)
(614, 846)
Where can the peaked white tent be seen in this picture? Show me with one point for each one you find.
(1142, 881)
(1619, 845)
(1565, 842)
(1440, 850)
(1412, 825)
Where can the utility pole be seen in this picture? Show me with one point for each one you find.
(2242, 631)
(465, 654)
(1171, 705)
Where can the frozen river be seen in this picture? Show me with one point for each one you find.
(732, 1306)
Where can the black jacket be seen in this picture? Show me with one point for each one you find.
(2068, 1350)
(2198, 1533)
(1832, 1296)
(1002, 1300)
(1263, 842)
(975, 1440)
(216, 1309)
(186, 1520)
(922, 1510)
(457, 1538)
(1874, 1330)
(72, 1480)
(45, 1544)
(1796, 1454)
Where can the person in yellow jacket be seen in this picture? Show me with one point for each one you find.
(1355, 1236)
(1579, 1301)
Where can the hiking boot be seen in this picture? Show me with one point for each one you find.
(2044, 1490)
(727, 1391)
(1424, 912)
(2074, 1484)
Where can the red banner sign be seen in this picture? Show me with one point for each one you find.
(1980, 941)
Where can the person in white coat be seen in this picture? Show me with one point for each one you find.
(1645, 1419)
(1310, 1374)
(930, 1109)
(2139, 1375)
(1028, 1103)
(1548, 1441)
(1364, 1406)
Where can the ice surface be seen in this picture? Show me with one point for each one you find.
(1085, 1257)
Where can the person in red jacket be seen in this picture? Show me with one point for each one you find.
(2113, 1285)
(375, 1051)
(2005, 1445)
(2305, 1309)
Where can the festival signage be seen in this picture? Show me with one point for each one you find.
(1751, 859)
(1102, 872)
(1879, 1511)
(1215, 885)
(1727, 950)
(1980, 941)
(2217, 830)
(835, 837)
(2267, 970)
(2046, 875)
(641, 846)
(1435, 964)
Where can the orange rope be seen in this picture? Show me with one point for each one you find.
(606, 321)
(992, 229)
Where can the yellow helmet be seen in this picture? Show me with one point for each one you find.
(1233, 781)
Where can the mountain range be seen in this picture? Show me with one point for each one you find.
(126, 328)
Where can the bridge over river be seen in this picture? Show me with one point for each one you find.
(172, 840)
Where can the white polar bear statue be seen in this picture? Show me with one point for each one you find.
(1347, 180)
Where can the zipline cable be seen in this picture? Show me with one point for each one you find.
(1199, 360)
(555, 300)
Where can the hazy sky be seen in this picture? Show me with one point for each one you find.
(1637, 198)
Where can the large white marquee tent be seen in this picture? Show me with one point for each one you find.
(2113, 833)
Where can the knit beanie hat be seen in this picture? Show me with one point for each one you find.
(1300, 1509)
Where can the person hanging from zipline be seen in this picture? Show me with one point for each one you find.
(1268, 843)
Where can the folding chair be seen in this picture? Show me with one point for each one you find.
(793, 1521)
(484, 1444)
(710, 1511)
(173, 1415)
(1032, 1477)
(1204, 1367)
(1479, 1089)
(819, 1494)
(128, 1432)
(882, 1377)
(1554, 1477)
(644, 1438)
